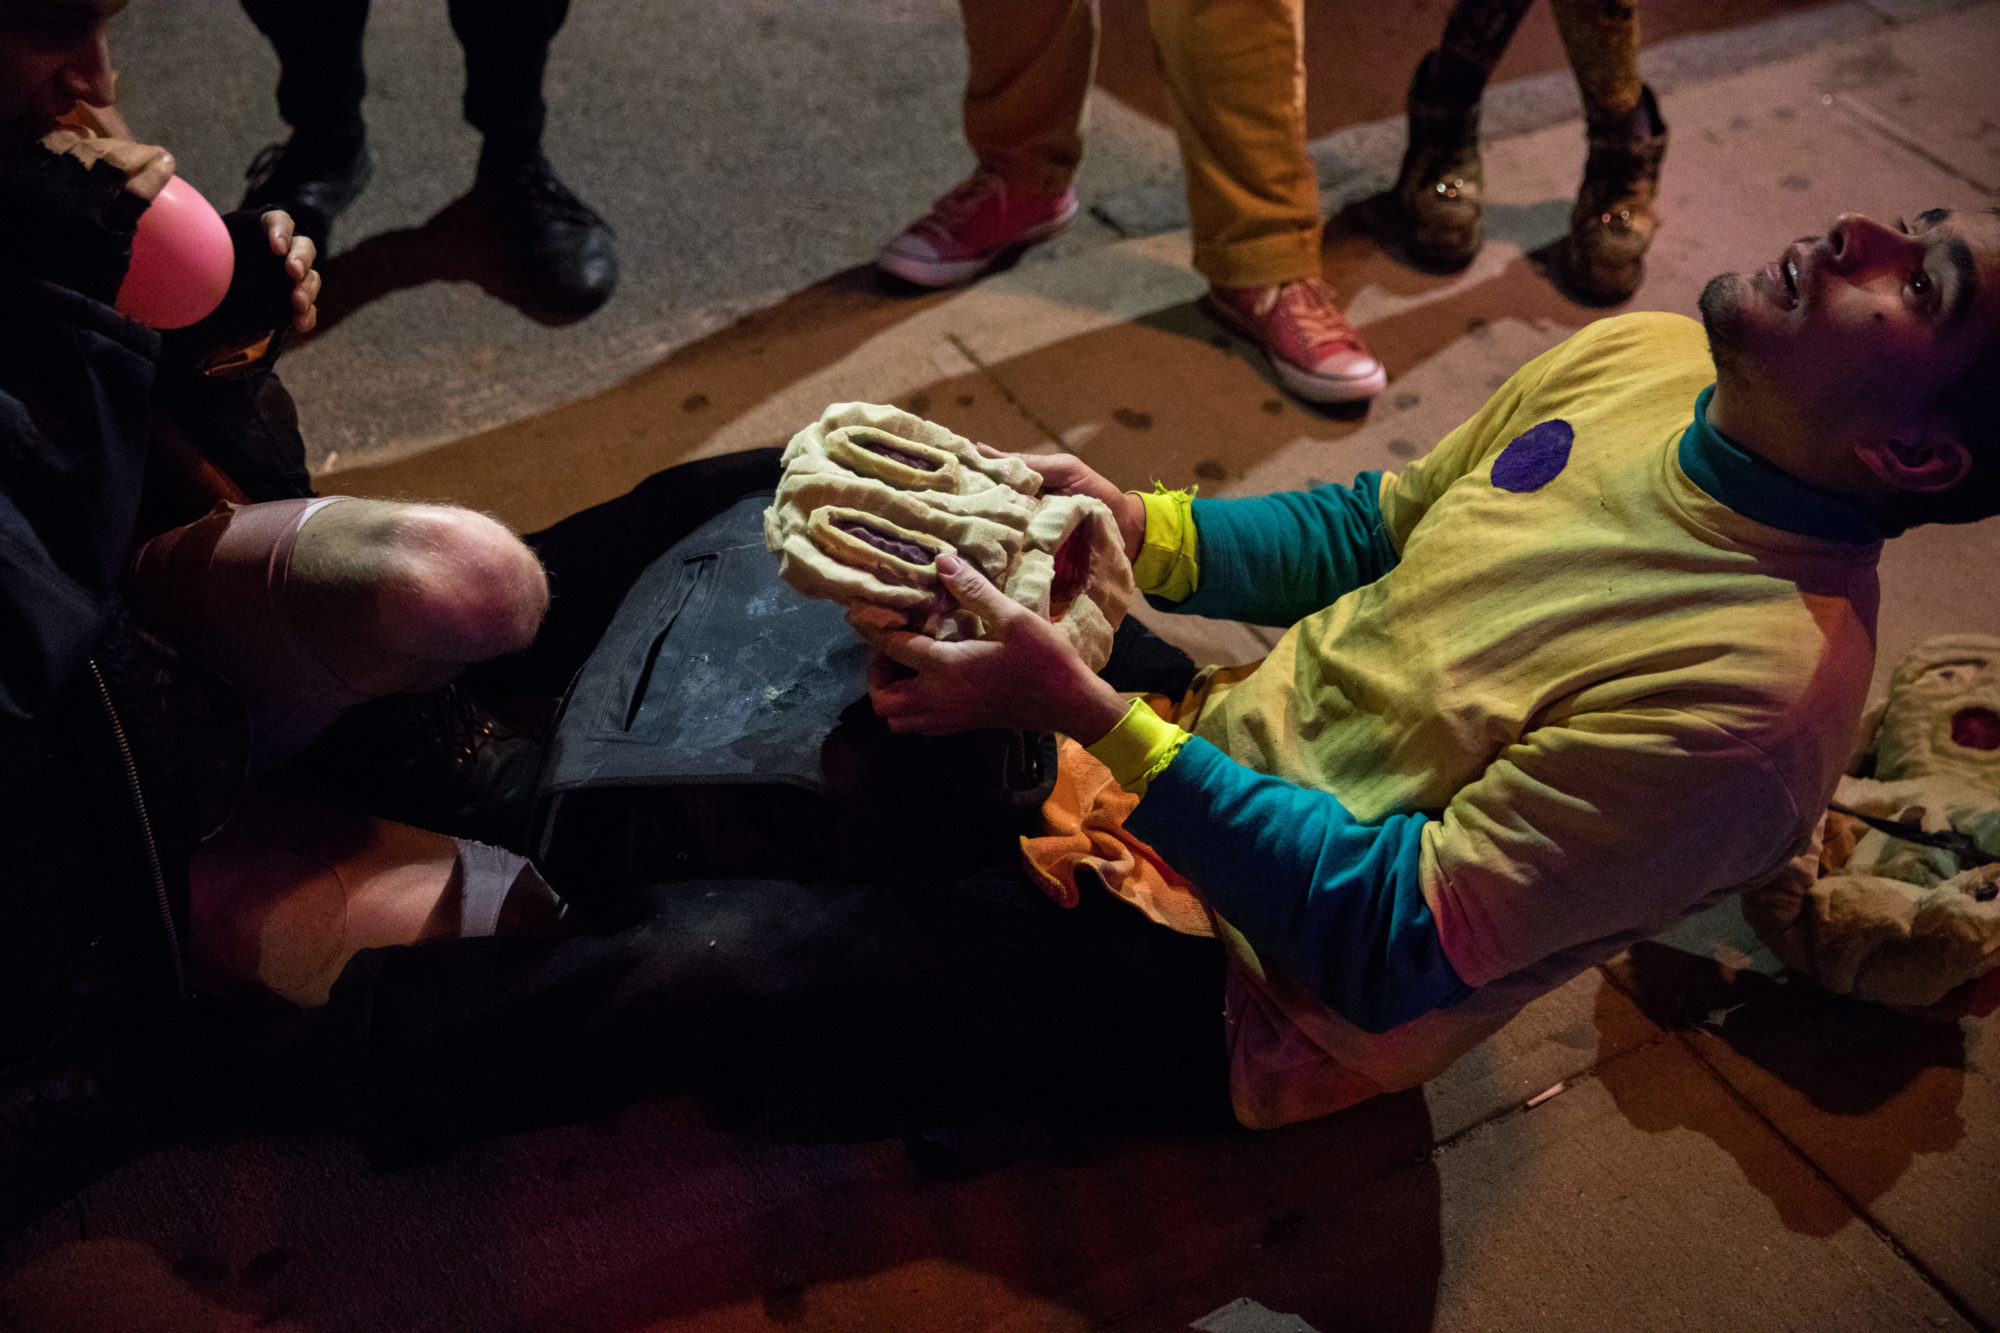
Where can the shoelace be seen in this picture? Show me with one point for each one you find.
(548, 195)
(1312, 307)
(265, 165)
(963, 201)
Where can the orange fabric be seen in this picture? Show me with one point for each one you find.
(1277, 1072)
(1083, 832)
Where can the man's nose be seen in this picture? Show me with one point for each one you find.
(1861, 245)
(87, 75)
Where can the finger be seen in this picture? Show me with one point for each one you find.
(305, 311)
(300, 256)
(915, 651)
(1060, 473)
(147, 167)
(1050, 464)
(278, 230)
(974, 592)
(152, 178)
(908, 698)
(885, 672)
(988, 451)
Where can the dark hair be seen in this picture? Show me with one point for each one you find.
(1972, 403)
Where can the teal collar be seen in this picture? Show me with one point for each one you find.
(1761, 490)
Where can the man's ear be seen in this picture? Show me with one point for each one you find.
(1928, 457)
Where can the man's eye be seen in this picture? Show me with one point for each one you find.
(1922, 285)
(48, 30)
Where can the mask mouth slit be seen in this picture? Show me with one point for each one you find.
(1976, 728)
(905, 464)
(1072, 572)
(910, 552)
(893, 449)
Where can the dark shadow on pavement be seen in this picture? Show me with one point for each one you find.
(457, 244)
(1337, 1221)
(1859, 1088)
(614, 439)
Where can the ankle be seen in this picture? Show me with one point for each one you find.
(1451, 79)
(1638, 123)
(501, 157)
(329, 139)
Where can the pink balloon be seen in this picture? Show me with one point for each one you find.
(181, 260)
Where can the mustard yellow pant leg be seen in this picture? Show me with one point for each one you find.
(1235, 74)
(1032, 62)
(1602, 40)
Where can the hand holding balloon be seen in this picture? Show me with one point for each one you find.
(72, 202)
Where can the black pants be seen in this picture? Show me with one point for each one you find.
(321, 80)
(925, 997)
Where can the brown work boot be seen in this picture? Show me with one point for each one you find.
(1613, 221)
(1439, 189)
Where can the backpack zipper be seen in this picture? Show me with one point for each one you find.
(145, 830)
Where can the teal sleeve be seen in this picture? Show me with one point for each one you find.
(1334, 904)
(1276, 559)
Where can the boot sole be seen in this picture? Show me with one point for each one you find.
(951, 272)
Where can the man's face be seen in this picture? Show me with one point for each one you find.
(51, 57)
(1864, 321)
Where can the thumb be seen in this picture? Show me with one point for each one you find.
(974, 591)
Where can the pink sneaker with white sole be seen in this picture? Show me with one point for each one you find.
(1315, 351)
(979, 223)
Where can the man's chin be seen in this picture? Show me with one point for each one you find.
(1721, 307)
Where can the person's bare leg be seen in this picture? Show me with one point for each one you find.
(290, 889)
(310, 607)
(398, 596)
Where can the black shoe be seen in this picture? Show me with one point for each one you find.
(440, 761)
(560, 245)
(311, 176)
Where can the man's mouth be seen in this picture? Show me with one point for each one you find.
(1783, 273)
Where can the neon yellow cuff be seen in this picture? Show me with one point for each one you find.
(1166, 565)
(1142, 744)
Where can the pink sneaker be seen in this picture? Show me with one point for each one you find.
(1315, 351)
(979, 223)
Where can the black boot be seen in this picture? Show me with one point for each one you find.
(1439, 189)
(1614, 221)
(313, 176)
(560, 246)
(439, 760)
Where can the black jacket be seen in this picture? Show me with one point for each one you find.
(75, 383)
(103, 732)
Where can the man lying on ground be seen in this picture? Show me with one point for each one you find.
(1593, 662)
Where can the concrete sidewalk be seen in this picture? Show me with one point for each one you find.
(1679, 1141)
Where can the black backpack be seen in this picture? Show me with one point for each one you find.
(721, 727)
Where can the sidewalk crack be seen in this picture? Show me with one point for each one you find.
(1934, 1281)
(1048, 432)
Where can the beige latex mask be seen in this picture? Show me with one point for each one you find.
(872, 496)
(1883, 917)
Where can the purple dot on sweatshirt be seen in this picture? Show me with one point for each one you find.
(1533, 458)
